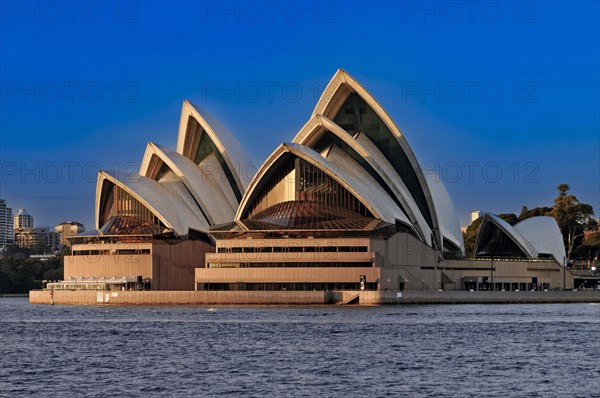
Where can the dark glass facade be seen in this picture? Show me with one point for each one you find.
(493, 242)
(164, 169)
(356, 116)
(327, 139)
(202, 147)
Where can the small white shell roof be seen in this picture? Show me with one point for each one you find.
(229, 147)
(527, 247)
(544, 234)
(168, 206)
(206, 184)
(445, 210)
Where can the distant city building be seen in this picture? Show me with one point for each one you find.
(475, 214)
(66, 229)
(31, 238)
(6, 225)
(23, 220)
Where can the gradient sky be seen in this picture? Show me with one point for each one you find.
(501, 98)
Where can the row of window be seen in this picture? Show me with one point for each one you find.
(295, 249)
(111, 252)
(506, 286)
(291, 265)
(322, 286)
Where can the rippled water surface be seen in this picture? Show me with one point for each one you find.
(412, 351)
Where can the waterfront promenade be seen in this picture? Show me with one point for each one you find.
(82, 297)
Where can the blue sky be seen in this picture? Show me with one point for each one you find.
(500, 98)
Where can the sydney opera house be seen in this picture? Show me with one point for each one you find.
(343, 206)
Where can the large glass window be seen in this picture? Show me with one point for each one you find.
(495, 242)
(279, 187)
(122, 214)
(157, 168)
(199, 146)
(164, 169)
(300, 195)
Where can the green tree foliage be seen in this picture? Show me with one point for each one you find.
(469, 237)
(41, 248)
(14, 250)
(510, 218)
(20, 275)
(589, 248)
(535, 212)
(573, 217)
(593, 239)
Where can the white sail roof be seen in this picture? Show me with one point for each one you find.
(170, 207)
(535, 236)
(227, 145)
(182, 194)
(206, 182)
(445, 211)
(544, 234)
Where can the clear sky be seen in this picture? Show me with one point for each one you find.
(501, 98)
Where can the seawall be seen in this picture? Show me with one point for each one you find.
(83, 297)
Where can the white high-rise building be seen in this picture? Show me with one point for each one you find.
(6, 225)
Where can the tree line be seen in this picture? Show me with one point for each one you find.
(20, 274)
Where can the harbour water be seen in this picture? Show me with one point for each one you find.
(413, 351)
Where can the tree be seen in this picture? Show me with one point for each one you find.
(573, 217)
(592, 239)
(469, 237)
(535, 212)
(589, 247)
(22, 275)
(14, 249)
(40, 248)
(510, 218)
